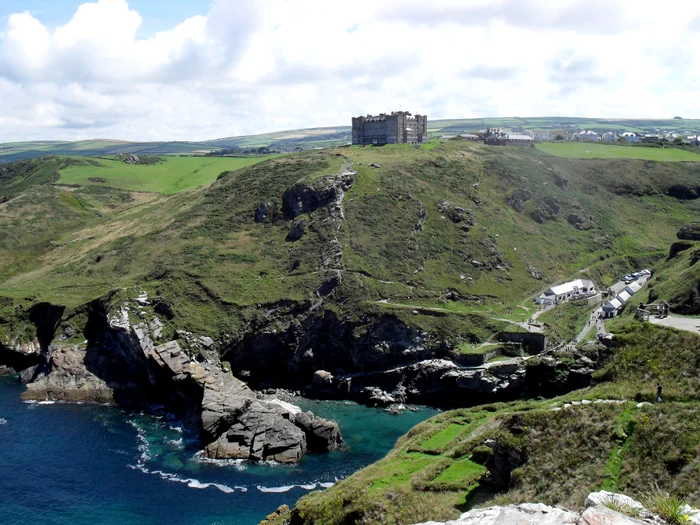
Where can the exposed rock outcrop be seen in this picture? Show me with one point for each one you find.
(307, 197)
(601, 508)
(684, 192)
(122, 364)
(689, 232)
(517, 199)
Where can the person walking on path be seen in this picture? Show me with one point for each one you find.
(658, 393)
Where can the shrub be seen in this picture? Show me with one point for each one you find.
(669, 507)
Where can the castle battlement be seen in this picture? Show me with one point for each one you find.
(400, 127)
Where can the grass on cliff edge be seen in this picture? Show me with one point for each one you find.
(558, 454)
(171, 175)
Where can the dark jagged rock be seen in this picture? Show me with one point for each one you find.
(517, 199)
(689, 232)
(122, 364)
(306, 198)
(684, 192)
(560, 181)
(20, 356)
(297, 231)
(574, 219)
(262, 212)
(322, 435)
(678, 247)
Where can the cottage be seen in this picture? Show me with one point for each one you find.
(630, 137)
(610, 136)
(623, 296)
(501, 138)
(633, 288)
(564, 292)
(612, 308)
(589, 136)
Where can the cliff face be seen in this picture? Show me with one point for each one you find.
(120, 362)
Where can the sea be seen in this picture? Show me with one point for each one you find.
(86, 464)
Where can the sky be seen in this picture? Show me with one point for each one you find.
(204, 69)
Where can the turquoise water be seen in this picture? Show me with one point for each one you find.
(87, 464)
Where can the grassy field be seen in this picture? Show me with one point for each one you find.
(559, 452)
(586, 150)
(172, 175)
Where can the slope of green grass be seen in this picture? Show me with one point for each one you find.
(171, 175)
(397, 245)
(586, 150)
(549, 453)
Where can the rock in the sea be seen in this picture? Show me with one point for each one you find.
(322, 435)
(68, 380)
(259, 434)
(126, 366)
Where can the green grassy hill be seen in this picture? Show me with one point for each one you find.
(332, 136)
(554, 452)
(487, 223)
(314, 260)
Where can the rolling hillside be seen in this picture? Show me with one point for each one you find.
(493, 225)
(330, 136)
(357, 262)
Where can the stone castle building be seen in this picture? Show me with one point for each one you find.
(398, 128)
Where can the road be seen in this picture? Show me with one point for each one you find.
(691, 324)
(596, 319)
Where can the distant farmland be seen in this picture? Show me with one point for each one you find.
(587, 150)
(172, 175)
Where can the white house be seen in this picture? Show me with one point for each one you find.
(529, 133)
(632, 288)
(612, 308)
(563, 292)
(630, 137)
(610, 136)
(589, 136)
(623, 296)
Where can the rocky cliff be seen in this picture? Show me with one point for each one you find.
(601, 508)
(120, 362)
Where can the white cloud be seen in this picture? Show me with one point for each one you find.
(250, 67)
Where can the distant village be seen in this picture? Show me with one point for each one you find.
(515, 137)
(401, 127)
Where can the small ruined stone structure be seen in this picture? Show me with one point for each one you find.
(398, 128)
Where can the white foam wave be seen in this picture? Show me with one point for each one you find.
(240, 464)
(176, 429)
(175, 442)
(196, 484)
(3, 421)
(287, 488)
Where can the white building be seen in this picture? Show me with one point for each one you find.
(610, 136)
(529, 133)
(630, 137)
(612, 308)
(563, 292)
(589, 136)
(632, 288)
(623, 296)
